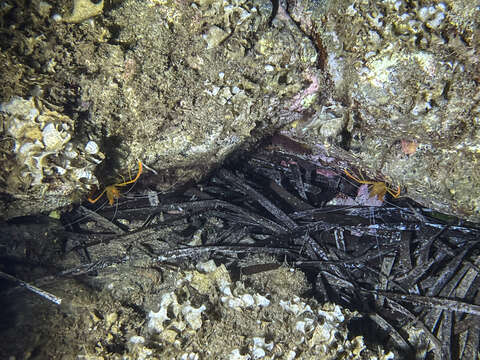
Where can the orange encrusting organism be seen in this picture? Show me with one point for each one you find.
(378, 188)
(113, 192)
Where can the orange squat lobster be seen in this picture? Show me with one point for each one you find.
(378, 188)
(113, 192)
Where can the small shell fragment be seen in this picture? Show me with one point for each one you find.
(54, 139)
(91, 148)
(83, 174)
(60, 170)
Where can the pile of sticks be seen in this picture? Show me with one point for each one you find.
(400, 265)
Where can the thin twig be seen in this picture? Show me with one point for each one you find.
(32, 288)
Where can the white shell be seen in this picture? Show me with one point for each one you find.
(16, 127)
(20, 108)
(72, 154)
(54, 139)
(41, 160)
(193, 316)
(26, 148)
(82, 174)
(137, 339)
(91, 148)
(61, 170)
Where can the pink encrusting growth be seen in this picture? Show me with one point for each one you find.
(326, 172)
(282, 14)
(299, 99)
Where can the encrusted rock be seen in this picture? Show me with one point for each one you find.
(165, 100)
(402, 71)
(44, 163)
(235, 321)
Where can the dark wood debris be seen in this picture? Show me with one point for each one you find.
(400, 265)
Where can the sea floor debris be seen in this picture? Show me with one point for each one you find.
(411, 275)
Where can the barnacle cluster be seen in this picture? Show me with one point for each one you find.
(208, 315)
(42, 157)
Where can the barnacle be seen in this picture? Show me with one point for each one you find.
(113, 192)
(378, 188)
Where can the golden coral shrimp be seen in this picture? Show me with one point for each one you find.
(379, 188)
(112, 191)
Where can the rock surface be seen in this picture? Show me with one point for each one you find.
(180, 85)
(404, 94)
(174, 84)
